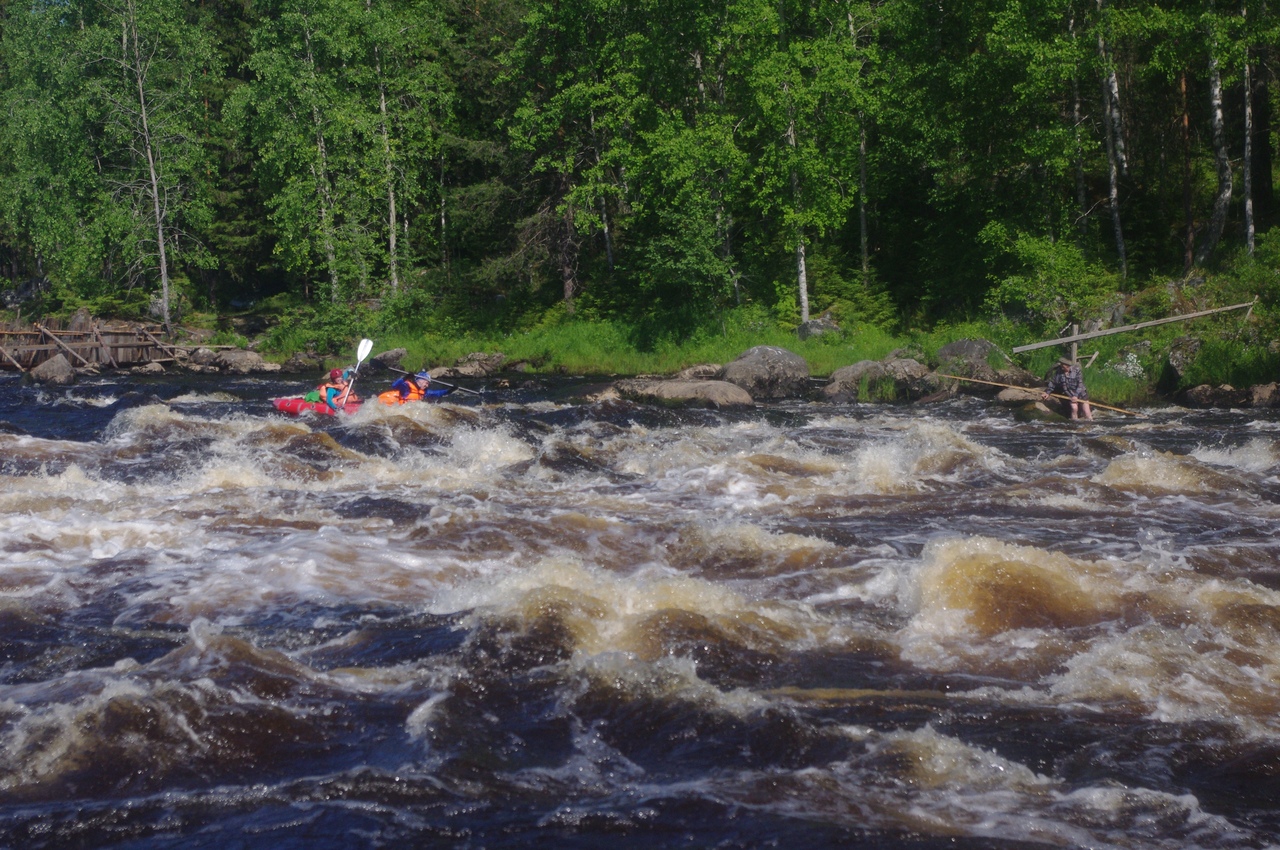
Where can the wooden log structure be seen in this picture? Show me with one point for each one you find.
(22, 349)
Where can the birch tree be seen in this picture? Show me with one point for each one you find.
(143, 63)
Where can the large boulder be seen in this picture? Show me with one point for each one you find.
(769, 372)
(1182, 353)
(847, 384)
(56, 372)
(1206, 396)
(237, 361)
(388, 359)
(1265, 395)
(300, 362)
(892, 379)
(972, 358)
(475, 365)
(697, 392)
(824, 324)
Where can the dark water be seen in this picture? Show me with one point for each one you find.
(533, 619)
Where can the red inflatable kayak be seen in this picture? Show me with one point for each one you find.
(299, 406)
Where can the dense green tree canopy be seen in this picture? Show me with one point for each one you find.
(491, 160)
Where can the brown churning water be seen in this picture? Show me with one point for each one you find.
(521, 621)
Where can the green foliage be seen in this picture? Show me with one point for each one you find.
(1053, 283)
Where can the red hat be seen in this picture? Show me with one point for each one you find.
(335, 374)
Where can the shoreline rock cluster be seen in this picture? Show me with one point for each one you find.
(763, 373)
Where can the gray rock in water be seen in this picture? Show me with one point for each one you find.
(56, 371)
(706, 393)
(388, 359)
(240, 362)
(768, 372)
(1265, 395)
(846, 384)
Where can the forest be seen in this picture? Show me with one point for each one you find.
(454, 165)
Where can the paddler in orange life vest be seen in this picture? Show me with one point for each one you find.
(332, 390)
(412, 388)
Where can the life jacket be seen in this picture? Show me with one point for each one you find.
(338, 390)
(396, 395)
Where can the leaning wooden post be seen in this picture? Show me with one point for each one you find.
(1075, 330)
(111, 358)
(9, 357)
(46, 332)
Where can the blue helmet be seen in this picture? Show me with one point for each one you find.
(424, 375)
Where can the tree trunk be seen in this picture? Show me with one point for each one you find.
(1077, 118)
(1188, 213)
(862, 197)
(1249, 232)
(1111, 92)
(393, 262)
(138, 66)
(324, 194)
(1113, 175)
(388, 166)
(1223, 198)
(802, 275)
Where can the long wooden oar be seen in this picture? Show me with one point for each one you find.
(1092, 403)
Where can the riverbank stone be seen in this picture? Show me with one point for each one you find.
(769, 372)
(716, 394)
(55, 372)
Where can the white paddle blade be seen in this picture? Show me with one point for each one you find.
(366, 345)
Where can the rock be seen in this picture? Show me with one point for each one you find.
(971, 358)
(849, 383)
(56, 371)
(203, 357)
(1017, 396)
(824, 324)
(706, 393)
(911, 378)
(388, 359)
(1182, 353)
(1265, 395)
(699, 372)
(478, 365)
(1037, 412)
(1205, 396)
(151, 368)
(240, 362)
(300, 362)
(769, 372)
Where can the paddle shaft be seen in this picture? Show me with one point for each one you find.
(366, 345)
(1051, 395)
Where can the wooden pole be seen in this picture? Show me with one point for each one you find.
(1077, 337)
(106, 349)
(1092, 403)
(172, 352)
(15, 363)
(46, 332)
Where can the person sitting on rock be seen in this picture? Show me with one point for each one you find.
(1067, 380)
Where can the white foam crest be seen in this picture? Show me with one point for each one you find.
(1259, 455)
(927, 783)
(921, 451)
(1164, 472)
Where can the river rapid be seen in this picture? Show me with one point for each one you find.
(531, 619)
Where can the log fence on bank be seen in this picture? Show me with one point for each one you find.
(117, 347)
